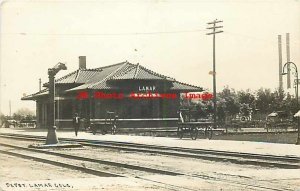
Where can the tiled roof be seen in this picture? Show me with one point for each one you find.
(84, 76)
(69, 78)
(99, 78)
(79, 76)
(183, 86)
(138, 72)
(37, 94)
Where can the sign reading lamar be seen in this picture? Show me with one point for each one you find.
(147, 88)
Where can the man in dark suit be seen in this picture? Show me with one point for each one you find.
(76, 123)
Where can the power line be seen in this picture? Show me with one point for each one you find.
(105, 34)
(144, 33)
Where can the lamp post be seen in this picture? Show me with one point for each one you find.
(297, 79)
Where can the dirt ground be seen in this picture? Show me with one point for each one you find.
(20, 174)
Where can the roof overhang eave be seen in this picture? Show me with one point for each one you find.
(74, 90)
(189, 90)
(28, 98)
(34, 97)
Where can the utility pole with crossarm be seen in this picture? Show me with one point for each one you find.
(213, 26)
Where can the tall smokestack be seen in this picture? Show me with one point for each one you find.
(9, 108)
(280, 63)
(288, 59)
(40, 84)
(82, 62)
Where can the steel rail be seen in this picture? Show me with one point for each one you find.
(234, 157)
(117, 164)
(134, 167)
(88, 170)
(61, 164)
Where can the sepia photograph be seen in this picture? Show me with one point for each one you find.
(144, 95)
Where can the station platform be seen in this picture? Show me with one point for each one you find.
(219, 145)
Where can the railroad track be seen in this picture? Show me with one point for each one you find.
(14, 150)
(273, 161)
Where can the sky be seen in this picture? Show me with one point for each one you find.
(166, 36)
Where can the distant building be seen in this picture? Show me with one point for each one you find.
(83, 91)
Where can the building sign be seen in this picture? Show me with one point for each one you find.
(146, 88)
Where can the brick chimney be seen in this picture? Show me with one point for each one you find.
(82, 62)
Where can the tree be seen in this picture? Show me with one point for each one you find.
(265, 100)
(23, 113)
(279, 103)
(245, 110)
(221, 108)
(268, 101)
(185, 102)
(230, 101)
(246, 97)
(289, 104)
(204, 108)
(3, 119)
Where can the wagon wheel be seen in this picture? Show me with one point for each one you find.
(180, 132)
(208, 132)
(94, 130)
(113, 129)
(194, 133)
(103, 131)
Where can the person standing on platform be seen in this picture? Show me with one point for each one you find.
(76, 123)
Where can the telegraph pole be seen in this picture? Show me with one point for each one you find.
(212, 25)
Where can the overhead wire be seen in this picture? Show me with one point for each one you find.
(105, 34)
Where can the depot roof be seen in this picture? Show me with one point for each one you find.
(99, 78)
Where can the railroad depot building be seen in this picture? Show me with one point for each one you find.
(139, 96)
